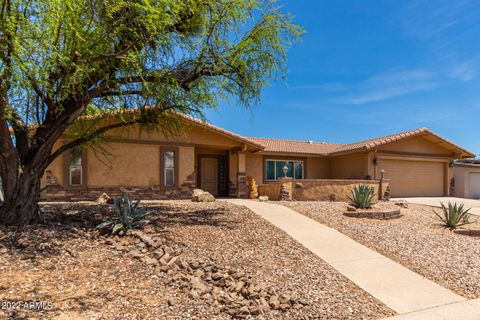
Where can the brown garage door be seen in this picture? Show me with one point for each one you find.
(414, 178)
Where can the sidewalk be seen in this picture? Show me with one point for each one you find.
(397, 287)
(466, 310)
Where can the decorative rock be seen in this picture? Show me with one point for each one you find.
(214, 284)
(402, 204)
(263, 198)
(284, 306)
(103, 199)
(158, 254)
(198, 285)
(374, 214)
(140, 245)
(172, 261)
(148, 241)
(351, 208)
(202, 196)
(284, 299)
(135, 254)
(119, 247)
(193, 295)
(150, 261)
(165, 258)
(244, 311)
(274, 303)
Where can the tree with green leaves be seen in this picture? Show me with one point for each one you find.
(61, 60)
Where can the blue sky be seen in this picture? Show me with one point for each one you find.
(371, 68)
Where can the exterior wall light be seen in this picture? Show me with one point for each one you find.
(285, 169)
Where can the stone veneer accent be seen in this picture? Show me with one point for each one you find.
(374, 214)
(55, 192)
(145, 193)
(315, 189)
(242, 188)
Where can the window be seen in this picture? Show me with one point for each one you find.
(274, 169)
(75, 169)
(169, 168)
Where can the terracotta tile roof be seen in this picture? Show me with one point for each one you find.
(376, 142)
(188, 119)
(330, 149)
(307, 147)
(296, 146)
(222, 131)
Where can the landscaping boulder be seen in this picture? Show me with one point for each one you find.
(103, 199)
(263, 198)
(199, 195)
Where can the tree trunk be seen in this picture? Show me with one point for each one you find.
(20, 205)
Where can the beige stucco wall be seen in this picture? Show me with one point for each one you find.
(186, 164)
(462, 182)
(135, 159)
(233, 167)
(56, 168)
(353, 166)
(129, 165)
(254, 166)
(318, 168)
(317, 190)
(135, 165)
(192, 134)
(417, 145)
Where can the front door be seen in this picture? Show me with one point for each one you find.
(209, 175)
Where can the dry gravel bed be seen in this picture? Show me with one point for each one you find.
(416, 240)
(65, 262)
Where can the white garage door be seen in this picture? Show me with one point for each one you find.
(474, 185)
(414, 178)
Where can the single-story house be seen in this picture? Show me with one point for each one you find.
(151, 165)
(467, 178)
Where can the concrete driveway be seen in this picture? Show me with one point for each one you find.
(435, 202)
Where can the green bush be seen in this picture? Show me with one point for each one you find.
(454, 215)
(128, 215)
(362, 196)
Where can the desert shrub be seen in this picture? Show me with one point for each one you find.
(128, 215)
(362, 196)
(453, 216)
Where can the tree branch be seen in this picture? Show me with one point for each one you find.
(79, 141)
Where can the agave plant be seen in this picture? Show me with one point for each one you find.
(128, 215)
(362, 196)
(454, 215)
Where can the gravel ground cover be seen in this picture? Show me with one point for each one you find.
(416, 240)
(65, 262)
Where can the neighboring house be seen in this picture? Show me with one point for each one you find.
(467, 178)
(417, 163)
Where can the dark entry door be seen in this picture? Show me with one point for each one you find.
(209, 175)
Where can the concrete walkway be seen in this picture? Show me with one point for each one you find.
(466, 310)
(399, 288)
(436, 202)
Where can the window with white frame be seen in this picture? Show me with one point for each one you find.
(169, 168)
(274, 169)
(75, 169)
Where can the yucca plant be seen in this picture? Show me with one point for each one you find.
(128, 215)
(362, 196)
(454, 215)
